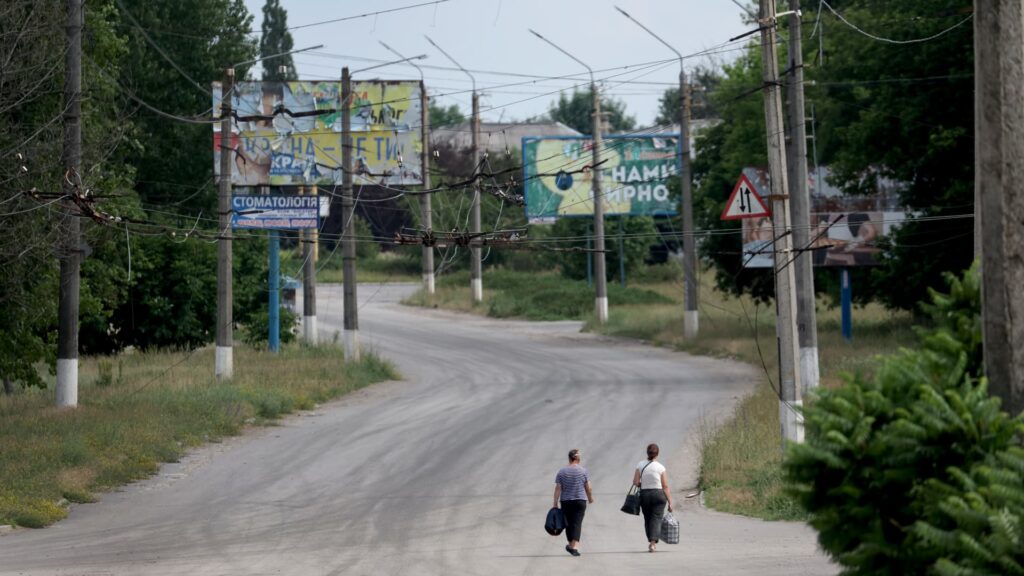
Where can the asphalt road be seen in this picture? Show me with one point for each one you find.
(449, 471)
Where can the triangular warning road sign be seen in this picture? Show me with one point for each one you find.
(744, 202)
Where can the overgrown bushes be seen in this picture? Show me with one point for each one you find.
(917, 470)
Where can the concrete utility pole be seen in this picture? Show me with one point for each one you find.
(351, 309)
(800, 207)
(999, 172)
(71, 251)
(274, 286)
(690, 316)
(309, 254)
(600, 279)
(426, 213)
(223, 363)
(785, 298)
(476, 273)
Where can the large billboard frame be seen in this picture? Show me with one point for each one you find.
(670, 204)
(387, 133)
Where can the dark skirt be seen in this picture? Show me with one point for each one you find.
(652, 504)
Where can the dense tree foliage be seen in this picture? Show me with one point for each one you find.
(276, 39)
(575, 111)
(441, 116)
(916, 469)
(141, 285)
(898, 112)
(703, 81)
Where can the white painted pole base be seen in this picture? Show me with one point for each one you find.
(428, 283)
(309, 330)
(478, 289)
(601, 307)
(67, 382)
(351, 345)
(792, 422)
(690, 324)
(810, 375)
(224, 365)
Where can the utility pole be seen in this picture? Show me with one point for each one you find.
(999, 171)
(223, 363)
(785, 298)
(351, 309)
(71, 251)
(274, 286)
(600, 280)
(476, 282)
(309, 254)
(426, 213)
(800, 206)
(690, 315)
(600, 277)
(476, 272)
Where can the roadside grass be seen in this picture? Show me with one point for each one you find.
(531, 296)
(741, 467)
(138, 410)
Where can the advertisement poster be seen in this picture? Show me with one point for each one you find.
(301, 143)
(843, 230)
(634, 176)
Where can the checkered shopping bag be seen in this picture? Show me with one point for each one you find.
(670, 529)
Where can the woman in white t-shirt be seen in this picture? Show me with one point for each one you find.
(651, 478)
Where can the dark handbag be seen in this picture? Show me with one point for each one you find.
(555, 522)
(632, 503)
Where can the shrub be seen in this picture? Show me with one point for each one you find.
(913, 470)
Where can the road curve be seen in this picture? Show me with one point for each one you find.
(449, 471)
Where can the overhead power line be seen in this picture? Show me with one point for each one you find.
(890, 40)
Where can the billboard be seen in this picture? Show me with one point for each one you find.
(843, 230)
(301, 147)
(277, 211)
(634, 176)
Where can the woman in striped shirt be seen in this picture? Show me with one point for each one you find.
(572, 492)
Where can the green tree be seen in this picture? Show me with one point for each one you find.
(174, 165)
(575, 111)
(441, 116)
(904, 112)
(276, 39)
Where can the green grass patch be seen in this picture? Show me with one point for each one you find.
(534, 296)
(161, 405)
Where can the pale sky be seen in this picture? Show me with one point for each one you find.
(493, 35)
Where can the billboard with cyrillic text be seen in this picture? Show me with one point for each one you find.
(289, 133)
(635, 172)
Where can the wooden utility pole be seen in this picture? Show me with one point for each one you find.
(351, 309)
(71, 251)
(800, 208)
(476, 271)
(691, 318)
(426, 212)
(223, 363)
(600, 278)
(999, 174)
(785, 298)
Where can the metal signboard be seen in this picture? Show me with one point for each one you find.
(744, 202)
(289, 133)
(634, 176)
(275, 211)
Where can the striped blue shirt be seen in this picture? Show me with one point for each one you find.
(572, 479)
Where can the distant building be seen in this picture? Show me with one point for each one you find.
(495, 137)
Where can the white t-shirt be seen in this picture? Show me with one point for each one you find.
(651, 477)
